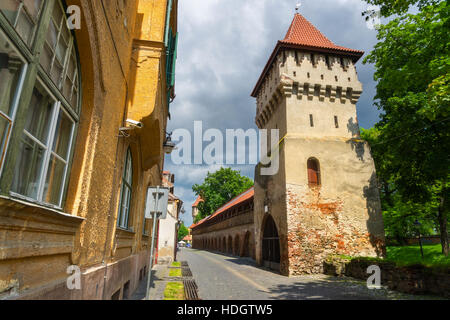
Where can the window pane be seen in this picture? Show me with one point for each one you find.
(54, 181)
(39, 114)
(61, 142)
(46, 58)
(33, 7)
(57, 13)
(125, 207)
(61, 49)
(9, 9)
(56, 72)
(129, 170)
(25, 27)
(10, 71)
(4, 128)
(52, 35)
(28, 168)
(22, 17)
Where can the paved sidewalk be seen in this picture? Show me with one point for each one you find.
(157, 286)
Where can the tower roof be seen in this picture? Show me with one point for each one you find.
(303, 35)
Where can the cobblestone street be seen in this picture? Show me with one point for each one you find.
(222, 277)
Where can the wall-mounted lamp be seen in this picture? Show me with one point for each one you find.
(168, 145)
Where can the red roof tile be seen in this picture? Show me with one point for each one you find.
(302, 34)
(248, 194)
(199, 199)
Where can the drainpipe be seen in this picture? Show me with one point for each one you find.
(166, 35)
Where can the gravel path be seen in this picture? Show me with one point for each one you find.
(221, 277)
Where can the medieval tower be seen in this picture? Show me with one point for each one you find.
(324, 199)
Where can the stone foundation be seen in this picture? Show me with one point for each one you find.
(320, 226)
(416, 279)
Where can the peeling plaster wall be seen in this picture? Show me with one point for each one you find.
(85, 234)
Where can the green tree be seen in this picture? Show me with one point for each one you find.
(411, 142)
(390, 7)
(218, 188)
(182, 231)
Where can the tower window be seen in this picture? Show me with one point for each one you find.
(313, 172)
(336, 122)
(311, 120)
(308, 75)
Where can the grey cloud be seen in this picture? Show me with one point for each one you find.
(223, 47)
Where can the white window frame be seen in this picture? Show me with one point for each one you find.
(57, 106)
(15, 102)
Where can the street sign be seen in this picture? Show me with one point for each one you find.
(155, 208)
(157, 198)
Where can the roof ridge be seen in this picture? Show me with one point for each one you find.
(240, 194)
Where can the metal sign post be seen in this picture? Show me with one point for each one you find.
(157, 207)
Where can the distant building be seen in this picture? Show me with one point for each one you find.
(168, 228)
(188, 239)
(230, 229)
(195, 207)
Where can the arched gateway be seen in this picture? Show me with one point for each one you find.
(270, 244)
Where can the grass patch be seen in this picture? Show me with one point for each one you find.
(176, 264)
(174, 291)
(175, 273)
(410, 255)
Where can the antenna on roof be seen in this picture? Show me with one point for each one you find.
(297, 7)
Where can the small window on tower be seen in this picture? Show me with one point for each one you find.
(313, 172)
(311, 120)
(336, 122)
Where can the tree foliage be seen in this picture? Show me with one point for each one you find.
(218, 188)
(410, 144)
(182, 231)
(391, 7)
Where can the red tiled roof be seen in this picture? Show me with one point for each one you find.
(199, 223)
(199, 199)
(167, 183)
(302, 34)
(187, 238)
(248, 194)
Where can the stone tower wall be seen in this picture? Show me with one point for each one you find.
(343, 214)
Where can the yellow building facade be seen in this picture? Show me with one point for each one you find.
(74, 171)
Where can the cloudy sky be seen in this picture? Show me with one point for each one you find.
(223, 47)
